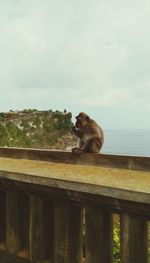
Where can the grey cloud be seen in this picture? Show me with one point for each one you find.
(56, 51)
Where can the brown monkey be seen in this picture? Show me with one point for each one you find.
(90, 134)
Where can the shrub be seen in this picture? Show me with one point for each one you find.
(116, 239)
(116, 248)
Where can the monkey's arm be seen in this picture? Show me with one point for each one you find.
(77, 132)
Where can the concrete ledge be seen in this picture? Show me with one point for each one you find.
(105, 160)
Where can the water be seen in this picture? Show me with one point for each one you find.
(127, 142)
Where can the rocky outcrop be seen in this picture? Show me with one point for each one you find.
(37, 129)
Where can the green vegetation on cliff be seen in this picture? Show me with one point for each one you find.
(32, 128)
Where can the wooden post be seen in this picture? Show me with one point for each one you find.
(67, 233)
(23, 213)
(41, 230)
(2, 219)
(134, 239)
(36, 229)
(76, 231)
(48, 230)
(13, 242)
(99, 236)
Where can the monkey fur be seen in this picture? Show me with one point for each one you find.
(90, 134)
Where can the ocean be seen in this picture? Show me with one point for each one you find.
(127, 142)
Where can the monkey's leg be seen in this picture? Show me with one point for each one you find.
(93, 145)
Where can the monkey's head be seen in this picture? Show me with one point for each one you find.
(81, 120)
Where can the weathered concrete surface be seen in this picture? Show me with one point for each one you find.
(117, 183)
(139, 163)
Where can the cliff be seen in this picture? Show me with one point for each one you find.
(37, 129)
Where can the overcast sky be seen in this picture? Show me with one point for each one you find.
(79, 55)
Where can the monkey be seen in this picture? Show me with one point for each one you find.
(90, 134)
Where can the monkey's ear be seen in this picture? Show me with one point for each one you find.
(87, 118)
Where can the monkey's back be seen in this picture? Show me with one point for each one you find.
(94, 130)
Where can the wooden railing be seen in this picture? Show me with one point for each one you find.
(58, 207)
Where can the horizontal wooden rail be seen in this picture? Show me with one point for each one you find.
(57, 207)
